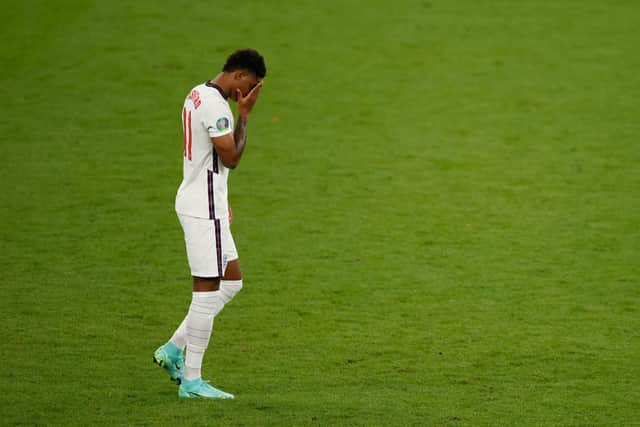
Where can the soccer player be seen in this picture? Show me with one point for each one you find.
(211, 146)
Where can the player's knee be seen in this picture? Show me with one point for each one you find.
(230, 289)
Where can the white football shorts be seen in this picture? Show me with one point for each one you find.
(210, 245)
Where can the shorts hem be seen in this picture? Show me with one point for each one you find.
(206, 276)
(214, 275)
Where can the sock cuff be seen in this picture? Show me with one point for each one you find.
(205, 295)
(229, 289)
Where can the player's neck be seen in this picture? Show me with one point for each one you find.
(222, 81)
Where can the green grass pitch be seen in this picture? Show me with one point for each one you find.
(438, 213)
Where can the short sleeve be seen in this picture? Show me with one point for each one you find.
(218, 120)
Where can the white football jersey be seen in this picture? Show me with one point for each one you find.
(203, 192)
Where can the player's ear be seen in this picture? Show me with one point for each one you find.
(238, 75)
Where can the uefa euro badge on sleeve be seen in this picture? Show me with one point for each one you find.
(222, 124)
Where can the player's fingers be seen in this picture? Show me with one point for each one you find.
(239, 93)
(255, 91)
(256, 88)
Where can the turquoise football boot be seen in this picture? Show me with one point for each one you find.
(171, 359)
(200, 388)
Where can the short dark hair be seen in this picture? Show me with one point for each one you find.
(246, 59)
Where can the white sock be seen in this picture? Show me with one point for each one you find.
(199, 323)
(229, 289)
(179, 338)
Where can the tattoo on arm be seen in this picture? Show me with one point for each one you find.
(240, 135)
